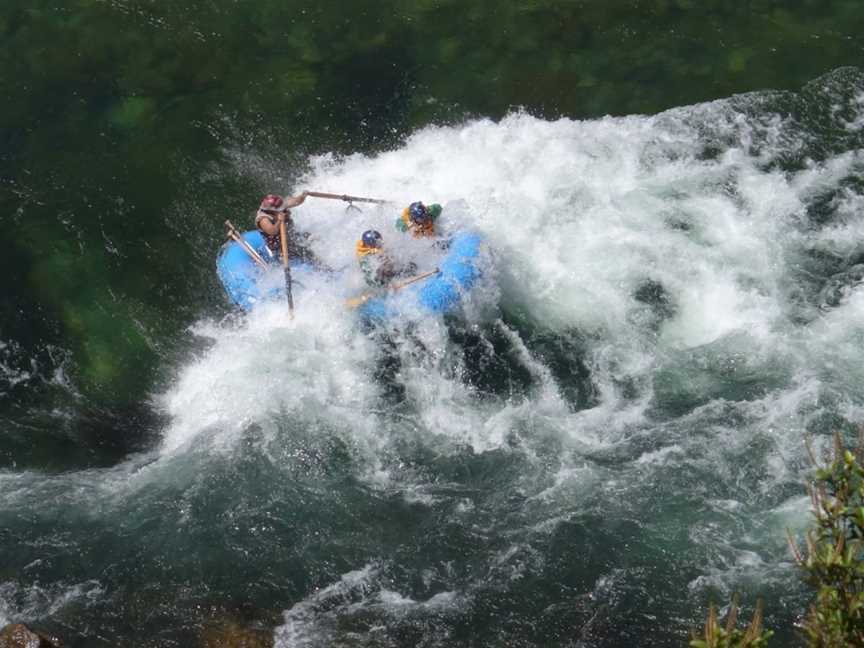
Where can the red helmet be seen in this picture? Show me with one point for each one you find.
(271, 202)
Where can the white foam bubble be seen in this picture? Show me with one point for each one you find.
(20, 604)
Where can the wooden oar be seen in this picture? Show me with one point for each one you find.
(346, 198)
(362, 299)
(252, 252)
(285, 265)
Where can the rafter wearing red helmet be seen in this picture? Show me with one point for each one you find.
(272, 211)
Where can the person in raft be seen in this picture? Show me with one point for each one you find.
(273, 210)
(378, 268)
(419, 219)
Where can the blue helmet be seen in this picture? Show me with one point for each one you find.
(371, 238)
(418, 212)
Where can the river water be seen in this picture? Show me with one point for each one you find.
(608, 435)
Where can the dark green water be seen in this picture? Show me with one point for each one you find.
(611, 441)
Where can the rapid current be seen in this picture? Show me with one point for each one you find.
(608, 436)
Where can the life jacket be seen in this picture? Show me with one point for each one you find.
(376, 266)
(297, 241)
(419, 230)
(274, 241)
(363, 250)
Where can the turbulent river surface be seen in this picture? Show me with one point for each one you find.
(608, 435)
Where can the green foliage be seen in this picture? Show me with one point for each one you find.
(833, 563)
(132, 111)
(729, 636)
(834, 560)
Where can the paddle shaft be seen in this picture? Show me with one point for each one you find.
(248, 250)
(236, 236)
(284, 239)
(332, 196)
(362, 299)
(420, 277)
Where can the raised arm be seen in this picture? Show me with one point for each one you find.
(294, 201)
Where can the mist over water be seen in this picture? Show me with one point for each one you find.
(607, 436)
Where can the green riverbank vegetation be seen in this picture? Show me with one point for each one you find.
(832, 562)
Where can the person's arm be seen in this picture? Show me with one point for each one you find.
(400, 225)
(385, 272)
(264, 223)
(270, 226)
(295, 201)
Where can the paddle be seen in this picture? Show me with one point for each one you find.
(362, 299)
(346, 198)
(284, 237)
(243, 243)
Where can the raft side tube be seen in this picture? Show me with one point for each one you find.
(241, 276)
(459, 271)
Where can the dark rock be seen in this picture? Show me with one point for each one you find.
(233, 635)
(654, 294)
(17, 635)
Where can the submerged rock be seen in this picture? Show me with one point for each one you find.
(17, 635)
(233, 635)
(654, 295)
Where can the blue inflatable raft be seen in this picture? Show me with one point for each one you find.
(247, 285)
(459, 270)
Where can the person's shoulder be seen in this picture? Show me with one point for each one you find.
(435, 210)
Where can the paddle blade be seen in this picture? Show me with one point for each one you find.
(357, 301)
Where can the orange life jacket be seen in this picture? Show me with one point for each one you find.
(419, 230)
(363, 250)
